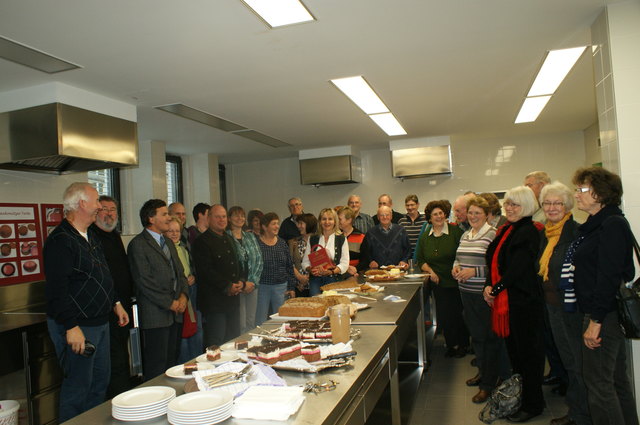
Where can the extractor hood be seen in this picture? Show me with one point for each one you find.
(61, 139)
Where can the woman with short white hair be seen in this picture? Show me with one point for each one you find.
(560, 230)
(513, 291)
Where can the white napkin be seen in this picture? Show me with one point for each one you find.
(260, 375)
(268, 403)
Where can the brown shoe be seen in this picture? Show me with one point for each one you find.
(565, 420)
(473, 382)
(481, 397)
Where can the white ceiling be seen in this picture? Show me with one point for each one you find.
(448, 67)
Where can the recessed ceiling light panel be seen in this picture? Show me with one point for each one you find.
(554, 69)
(28, 56)
(278, 13)
(360, 92)
(389, 124)
(531, 108)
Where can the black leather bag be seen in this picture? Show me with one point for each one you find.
(629, 304)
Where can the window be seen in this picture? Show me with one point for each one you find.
(174, 179)
(106, 182)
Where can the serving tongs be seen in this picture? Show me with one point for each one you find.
(226, 378)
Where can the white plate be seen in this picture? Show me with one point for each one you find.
(225, 356)
(416, 276)
(201, 402)
(199, 421)
(178, 370)
(145, 396)
(285, 318)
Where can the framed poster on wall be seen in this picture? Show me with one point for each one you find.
(20, 244)
(51, 215)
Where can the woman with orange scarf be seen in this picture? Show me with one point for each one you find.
(513, 291)
(559, 231)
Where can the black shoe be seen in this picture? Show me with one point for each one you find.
(551, 380)
(474, 362)
(561, 389)
(522, 416)
(474, 382)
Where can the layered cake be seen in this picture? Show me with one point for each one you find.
(241, 345)
(307, 329)
(274, 352)
(213, 353)
(311, 353)
(190, 367)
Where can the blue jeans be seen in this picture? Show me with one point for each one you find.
(85, 378)
(315, 282)
(269, 296)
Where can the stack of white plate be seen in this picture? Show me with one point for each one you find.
(142, 403)
(204, 407)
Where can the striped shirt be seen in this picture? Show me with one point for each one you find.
(413, 228)
(471, 254)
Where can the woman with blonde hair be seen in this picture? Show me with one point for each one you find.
(330, 238)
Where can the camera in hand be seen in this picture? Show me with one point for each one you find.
(89, 349)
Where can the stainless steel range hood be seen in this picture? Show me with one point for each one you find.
(61, 139)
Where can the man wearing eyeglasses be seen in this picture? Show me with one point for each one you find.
(106, 230)
(289, 227)
(535, 181)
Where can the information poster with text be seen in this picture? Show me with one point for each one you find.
(20, 244)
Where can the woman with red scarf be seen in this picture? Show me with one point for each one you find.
(514, 293)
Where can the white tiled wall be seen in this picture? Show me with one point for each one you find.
(479, 165)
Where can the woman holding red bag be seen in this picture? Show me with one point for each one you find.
(330, 239)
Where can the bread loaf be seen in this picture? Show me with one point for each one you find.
(345, 284)
(303, 309)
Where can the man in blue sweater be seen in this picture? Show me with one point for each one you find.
(80, 299)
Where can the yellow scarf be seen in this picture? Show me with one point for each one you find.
(552, 232)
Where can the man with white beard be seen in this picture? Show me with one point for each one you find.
(105, 228)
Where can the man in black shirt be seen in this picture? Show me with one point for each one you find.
(288, 227)
(105, 229)
(384, 200)
(80, 298)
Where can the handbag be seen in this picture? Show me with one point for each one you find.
(505, 400)
(189, 322)
(629, 303)
(318, 257)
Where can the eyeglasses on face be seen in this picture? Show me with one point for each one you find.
(510, 204)
(582, 189)
(557, 204)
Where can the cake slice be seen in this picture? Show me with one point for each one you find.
(311, 353)
(213, 353)
(190, 367)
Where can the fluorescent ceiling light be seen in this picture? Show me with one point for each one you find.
(28, 56)
(388, 123)
(359, 91)
(555, 68)
(531, 108)
(277, 13)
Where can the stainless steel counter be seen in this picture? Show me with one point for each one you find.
(359, 389)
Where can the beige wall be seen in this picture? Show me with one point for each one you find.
(479, 165)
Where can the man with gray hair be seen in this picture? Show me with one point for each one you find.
(385, 200)
(289, 226)
(460, 210)
(535, 181)
(361, 221)
(106, 230)
(80, 299)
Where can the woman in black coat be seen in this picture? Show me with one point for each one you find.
(515, 295)
(602, 259)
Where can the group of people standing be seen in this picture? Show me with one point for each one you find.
(493, 278)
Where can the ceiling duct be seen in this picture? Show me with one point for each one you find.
(61, 139)
(413, 158)
(329, 166)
